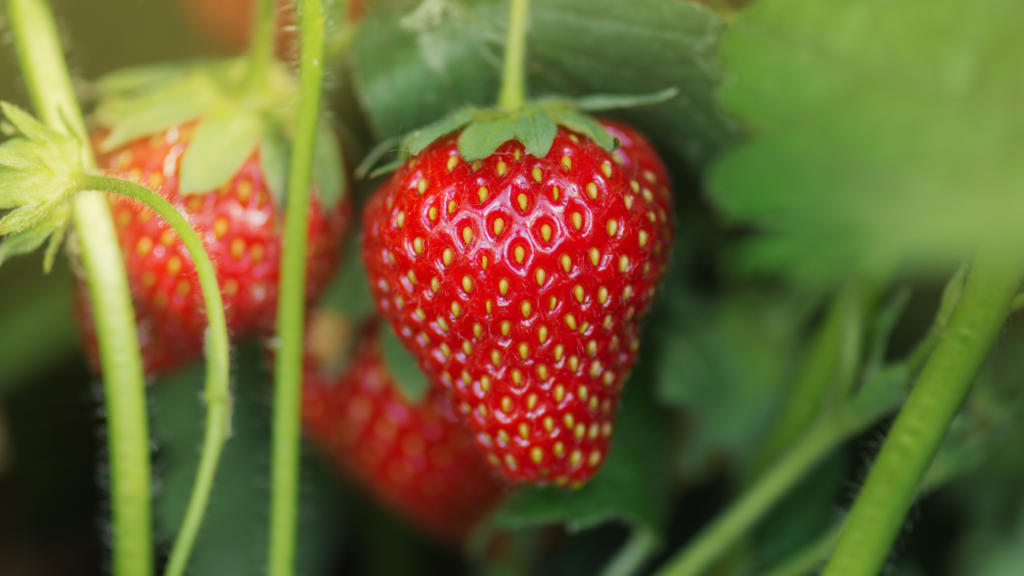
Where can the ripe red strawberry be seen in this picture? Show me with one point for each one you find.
(417, 459)
(518, 282)
(241, 225)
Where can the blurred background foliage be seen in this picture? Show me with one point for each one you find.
(734, 325)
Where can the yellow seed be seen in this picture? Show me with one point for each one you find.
(595, 368)
(221, 225)
(456, 309)
(447, 256)
(499, 225)
(517, 377)
(417, 245)
(536, 454)
(577, 220)
(537, 175)
(467, 348)
(584, 327)
(606, 168)
(506, 404)
(520, 254)
(503, 286)
(648, 195)
(542, 372)
(575, 458)
(540, 275)
(482, 193)
(419, 313)
(488, 304)
(542, 334)
(442, 323)
(493, 460)
(558, 449)
(623, 263)
(467, 234)
(531, 401)
(582, 392)
(592, 191)
(477, 330)
(592, 347)
(606, 429)
(412, 277)
(643, 238)
(524, 430)
(391, 257)
(566, 262)
(570, 321)
(146, 244)
(602, 294)
(485, 383)
(446, 350)
(574, 363)
(569, 421)
(506, 327)
(613, 227)
(482, 411)
(651, 216)
(184, 287)
(609, 378)
(629, 201)
(502, 437)
(593, 403)
(467, 284)
(451, 206)
(502, 167)
(526, 307)
(435, 284)
(559, 393)
(634, 185)
(524, 350)
(607, 322)
(173, 265)
(465, 377)
(650, 176)
(595, 256)
(237, 248)
(483, 261)
(421, 186)
(566, 163)
(554, 302)
(495, 357)
(400, 219)
(580, 430)
(559, 350)
(549, 423)
(554, 193)
(595, 458)
(577, 291)
(627, 292)
(453, 161)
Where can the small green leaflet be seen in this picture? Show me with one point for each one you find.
(420, 139)
(483, 136)
(602, 102)
(410, 379)
(536, 130)
(274, 158)
(328, 166)
(349, 291)
(584, 124)
(221, 144)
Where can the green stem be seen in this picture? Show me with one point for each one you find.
(513, 79)
(290, 314)
(809, 558)
(261, 47)
(637, 550)
(894, 479)
(49, 83)
(744, 514)
(217, 392)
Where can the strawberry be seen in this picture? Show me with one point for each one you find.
(518, 281)
(414, 457)
(241, 223)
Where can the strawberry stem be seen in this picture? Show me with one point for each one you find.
(291, 305)
(513, 79)
(217, 390)
(893, 482)
(261, 48)
(46, 74)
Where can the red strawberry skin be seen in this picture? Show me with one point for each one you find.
(241, 226)
(518, 282)
(417, 459)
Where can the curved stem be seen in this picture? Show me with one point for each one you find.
(919, 428)
(631, 557)
(218, 400)
(290, 313)
(261, 47)
(49, 83)
(513, 78)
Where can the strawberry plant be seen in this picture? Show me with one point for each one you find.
(657, 287)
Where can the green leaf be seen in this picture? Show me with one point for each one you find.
(349, 292)
(274, 158)
(380, 150)
(632, 485)
(410, 379)
(888, 133)
(417, 61)
(32, 238)
(483, 136)
(25, 124)
(328, 166)
(420, 139)
(602, 102)
(233, 537)
(221, 144)
(584, 124)
(25, 217)
(536, 131)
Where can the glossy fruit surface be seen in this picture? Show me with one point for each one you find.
(519, 282)
(241, 225)
(416, 458)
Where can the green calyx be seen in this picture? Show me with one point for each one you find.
(534, 125)
(39, 170)
(234, 115)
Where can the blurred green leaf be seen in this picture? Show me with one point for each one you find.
(329, 173)
(632, 486)
(221, 144)
(888, 133)
(233, 538)
(482, 137)
(402, 365)
(349, 292)
(416, 61)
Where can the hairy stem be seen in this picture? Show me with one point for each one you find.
(217, 392)
(290, 313)
(46, 75)
(513, 78)
(261, 48)
(894, 479)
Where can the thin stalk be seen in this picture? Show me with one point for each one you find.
(809, 558)
(919, 428)
(513, 78)
(716, 539)
(42, 62)
(290, 313)
(217, 392)
(264, 35)
(631, 557)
